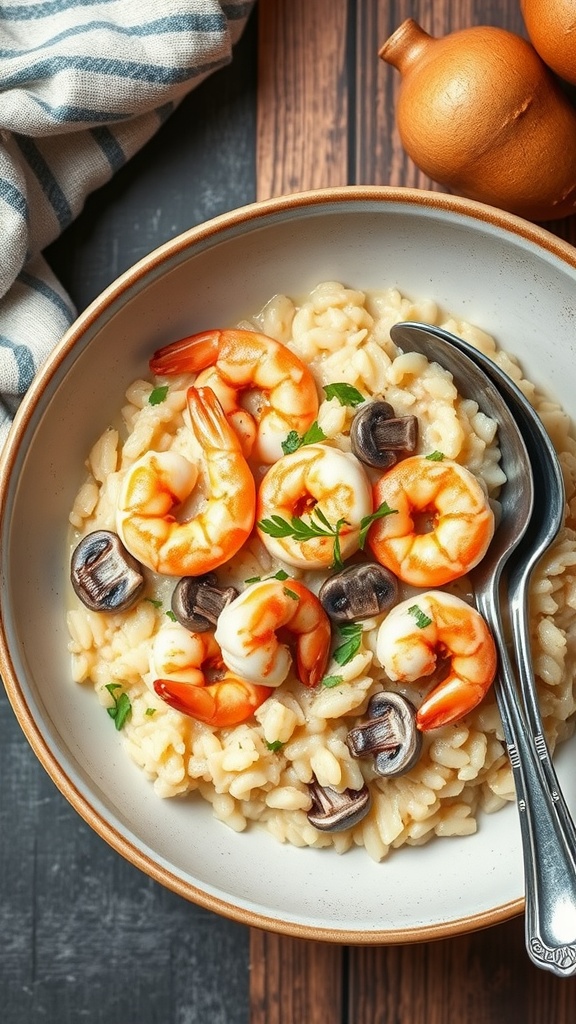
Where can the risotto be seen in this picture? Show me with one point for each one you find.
(295, 742)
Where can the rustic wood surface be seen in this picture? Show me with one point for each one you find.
(85, 937)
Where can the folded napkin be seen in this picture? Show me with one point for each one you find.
(83, 85)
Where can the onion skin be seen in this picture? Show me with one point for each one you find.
(480, 113)
(551, 25)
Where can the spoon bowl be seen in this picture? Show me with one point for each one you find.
(547, 830)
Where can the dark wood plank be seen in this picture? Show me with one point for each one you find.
(378, 157)
(295, 980)
(484, 977)
(302, 96)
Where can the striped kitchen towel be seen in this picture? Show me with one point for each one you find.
(83, 85)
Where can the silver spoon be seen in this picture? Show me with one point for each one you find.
(524, 532)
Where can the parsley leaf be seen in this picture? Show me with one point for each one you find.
(170, 615)
(380, 513)
(280, 575)
(290, 593)
(422, 620)
(158, 395)
(121, 707)
(435, 456)
(305, 529)
(150, 711)
(330, 681)
(154, 601)
(294, 440)
(275, 745)
(351, 632)
(277, 527)
(346, 394)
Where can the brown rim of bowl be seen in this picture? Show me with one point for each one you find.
(252, 213)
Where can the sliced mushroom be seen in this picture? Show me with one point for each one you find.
(105, 576)
(389, 734)
(198, 600)
(376, 434)
(358, 592)
(332, 811)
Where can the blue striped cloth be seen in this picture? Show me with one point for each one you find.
(83, 85)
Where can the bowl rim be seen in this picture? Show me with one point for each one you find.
(249, 214)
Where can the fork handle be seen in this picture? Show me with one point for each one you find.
(518, 597)
(548, 846)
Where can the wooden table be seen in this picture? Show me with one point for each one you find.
(84, 936)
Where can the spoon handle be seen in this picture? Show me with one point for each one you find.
(548, 845)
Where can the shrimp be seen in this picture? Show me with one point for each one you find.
(435, 623)
(160, 481)
(235, 361)
(181, 661)
(328, 491)
(247, 633)
(440, 524)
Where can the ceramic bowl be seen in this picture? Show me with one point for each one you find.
(515, 280)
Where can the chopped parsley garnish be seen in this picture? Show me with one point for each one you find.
(170, 615)
(294, 440)
(290, 593)
(150, 711)
(274, 746)
(280, 575)
(158, 394)
(121, 707)
(435, 456)
(346, 394)
(154, 601)
(306, 529)
(351, 633)
(330, 681)
(381, 512)
(422, 620)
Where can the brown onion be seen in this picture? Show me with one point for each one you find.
(551, 25)
(479, 112)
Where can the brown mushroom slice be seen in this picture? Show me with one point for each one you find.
(389, 734)
(359, 592)
(376, 434)
(332, 811)
(198, 600)
(105, 576)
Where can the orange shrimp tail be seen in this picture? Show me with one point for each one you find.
(189, 355)
(449, 702)
(228, 702)
(313, 631)
(210, 424)
(312, 652)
